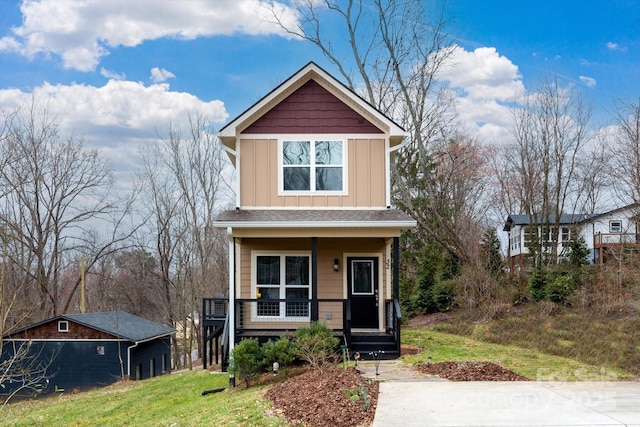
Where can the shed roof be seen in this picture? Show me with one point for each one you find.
(120, 324)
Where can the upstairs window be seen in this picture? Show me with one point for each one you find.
(615, 226)
(312, 165)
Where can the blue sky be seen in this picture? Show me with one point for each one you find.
(117, 71)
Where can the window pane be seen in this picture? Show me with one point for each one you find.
(297, 309)
(295, 153)
(362, 277)
(329, 179)
(268, 270)
(329, 153)
(297, 179)
(297, 271)
(268, 308)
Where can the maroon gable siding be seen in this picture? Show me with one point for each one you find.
(49, 330)
(311, 109)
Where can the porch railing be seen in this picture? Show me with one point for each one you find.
(602, 239)
(289, 314)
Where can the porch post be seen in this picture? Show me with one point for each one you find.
(314, 279)
(396, 268)
(232, 290)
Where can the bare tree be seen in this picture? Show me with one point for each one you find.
(185, 188)
(55, 192)
(396, 49)
(540, 169)
(626, 155)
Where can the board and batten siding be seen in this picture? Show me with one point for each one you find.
(259, 170)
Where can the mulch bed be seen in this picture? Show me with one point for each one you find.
(326, 398)
(470, 371)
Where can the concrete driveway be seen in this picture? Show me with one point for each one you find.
(450, 404)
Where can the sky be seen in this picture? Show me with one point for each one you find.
(117, 72)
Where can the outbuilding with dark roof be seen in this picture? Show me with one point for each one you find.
(93, 349)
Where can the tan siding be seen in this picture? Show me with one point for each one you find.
(365, 176)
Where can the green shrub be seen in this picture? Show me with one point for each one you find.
(247, 360)
(443, 295)
(282, 351)
(537, 283)
(558, 288)
(316, 345)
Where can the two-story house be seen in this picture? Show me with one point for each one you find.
(604, 233)
(313, 236)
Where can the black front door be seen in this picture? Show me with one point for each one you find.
(362, 281)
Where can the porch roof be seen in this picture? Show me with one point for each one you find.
(317, 218)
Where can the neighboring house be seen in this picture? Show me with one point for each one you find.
(313, 236)
(603, 233)
(94, 349)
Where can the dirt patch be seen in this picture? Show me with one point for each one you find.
(332, 397)
(470, 371)
(429, 319)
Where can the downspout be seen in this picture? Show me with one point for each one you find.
(387, 171)
(129, 358)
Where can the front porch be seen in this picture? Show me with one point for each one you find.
(336, 313)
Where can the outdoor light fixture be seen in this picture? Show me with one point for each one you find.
(336, 264)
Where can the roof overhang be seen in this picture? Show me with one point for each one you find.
(231, 131)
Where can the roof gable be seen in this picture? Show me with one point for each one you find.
(311, 109)
(311, 71)
(117, 324)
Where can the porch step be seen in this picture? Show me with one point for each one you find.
(372, 345)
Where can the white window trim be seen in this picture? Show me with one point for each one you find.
(312, 139)
(611, 225)
(63, 326)
(254, 287)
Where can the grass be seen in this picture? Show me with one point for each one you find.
(170, 400)
(561, 347)
(610, 340)
(533, 364)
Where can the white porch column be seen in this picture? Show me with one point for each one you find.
(232, 290)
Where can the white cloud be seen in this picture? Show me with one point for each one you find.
(81, 33)
(159, 75)
(615, 46)
(118, 118)
(483, 74)
(487, 87)
(112, 74)
(588, 81)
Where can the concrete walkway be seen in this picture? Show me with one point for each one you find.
(408, 399)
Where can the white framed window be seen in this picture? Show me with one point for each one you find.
(279, 277)
(615, 226)
(63, 326)
(312, 165)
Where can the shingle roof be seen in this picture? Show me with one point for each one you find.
(121, 324)
(551, 219)
(304, 218)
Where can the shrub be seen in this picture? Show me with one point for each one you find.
(316, 345)
(444, 295)
(559, 288)
(537, 283)
(282, 351)
(247, 360)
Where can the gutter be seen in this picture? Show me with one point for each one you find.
(316, 224)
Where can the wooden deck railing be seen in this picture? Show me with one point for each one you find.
(613, 239)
